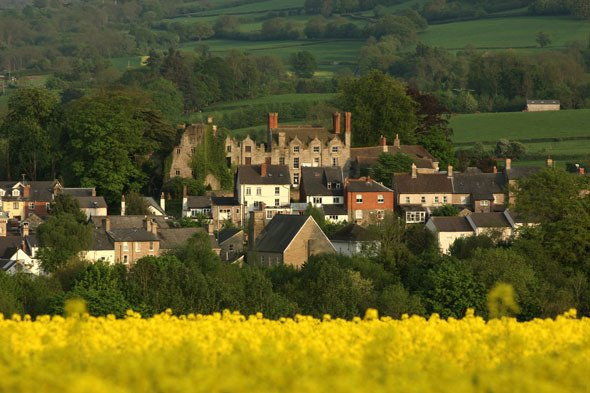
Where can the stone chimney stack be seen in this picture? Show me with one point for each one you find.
(263, 169)
(93, 191)
(508, 163)
(282, 139)
(209, 119)
(25, 230)
(396, 142)
(495, 169)
(147, 224)
(336, 122)
(255, 226)
(549, 162)
(184, 198)
(122, 205)
(162, 201)
(106, 224)
(450, 171)
(414, 171)
(383, 143)
(154, 226)
(347, 129)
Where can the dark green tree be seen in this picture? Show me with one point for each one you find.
(67, 204)
(388, 164)
(303, 63)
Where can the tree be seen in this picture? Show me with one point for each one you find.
(445, 210)
(303, 63)
(135, 204)
(379, 106)
(543, 39)
(395, 300)
(388, 164)
(67, 204)
(202, 30)
(507, 149)
(62, 238)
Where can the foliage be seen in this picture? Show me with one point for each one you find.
(445, 210)
(136, 204)
(303, 63)
(207, 160)
(543, 39)
(509, 149)
(67, 204)
(388, 164)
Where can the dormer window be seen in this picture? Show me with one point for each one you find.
(2, 193)
(295, 149)
(329, 186)
(15, 193)
(337, 185)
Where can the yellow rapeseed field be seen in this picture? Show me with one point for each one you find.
(228, 352)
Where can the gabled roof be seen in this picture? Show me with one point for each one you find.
(172, 238)
(78, 192)
(224, 201)
(226, 234)
(305, 133)
(366, 185)
(423, 183)
(132, 235)
(151, 202)
(101, 240)
(279, 232)
(199, 202)
(334, 210)
(131, 221)
(490, 220)
(451, 224)
(481, 185)
(91, 202)
(315, 181)
(276, 174)
(353, 233)
(9, 245)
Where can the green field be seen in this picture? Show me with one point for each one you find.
(272, 99)
(503, 33)
(262, 6)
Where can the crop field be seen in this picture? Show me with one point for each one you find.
(262, 6)
(228, 352)
(505, 33)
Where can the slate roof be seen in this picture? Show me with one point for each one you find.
(172, 238)
(543, 102)
(131, 221)
(279, 232)
(78, 192)
(7, 264)
(151, 202)
(305, 133)
(366, 185)
(423, 183)
(91, 202)
(314, 181)
(276, 174)
(451, 224)
(226, 234)
(224, 201)
(353, 233)
(101, 240)
(334, 210)
(41, 191)
(519, 172)
(132, 235)
(490, 220)
(481, 185)
(367, 156)
(199, 202)
(9, 245)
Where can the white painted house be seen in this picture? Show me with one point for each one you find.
(263, 185)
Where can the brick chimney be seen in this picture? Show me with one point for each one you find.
(273, 121)
(508, 163)
(582, 171)
(450, 171)
(162, 201)
(396, 142)
(336, 122)
(122, 205)
(414, 171)
(263, 169)
(26, 190)
(106, 224)
(549, 162)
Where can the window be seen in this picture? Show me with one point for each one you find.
(380, 198)
(407, 199)
(316, 149)
(269, 214)
(445, 199)
(423, 199)
(335, 218)
(358, 214)
(248, 160)
(337, 200)
(415, 217)
(177, 172)
(329, 185)
(178, 151)
(337, 185)
(277, 191)
(317, 200)
(277, 202)
(316, 161)
(295, 149)
(258, 191)
(296, 162)
(151, 246)
(228, 148)
(15, 205)
(281, 160)
(296, 178)
(32, 205)
(256, 204)
(359, 198)
(15, 192)
(248, 149)
(125, 246)
(485, 203)
(334, 161)
(248, 191)
(125, 259)
(194, 212)
(334, 149)
(137, 246)
(231, 247)
(435, 199)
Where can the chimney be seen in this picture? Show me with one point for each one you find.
(122, 205)
(162, 201)
(347, 129)
(106, 224)
(147, 224)
(282, 139)
(214, 128)
(508, 164)
(263, 169)
(450, 171)
(93, 191)
(25, 229)
(23, 245)
(336, 122)
(26, 190)
(549, 162)
(255, 226)
(383, 143)
(273, 121)
(414, 171)
(154, 226)
(495, 169)
(396, 142)
(582, 171)
(184, 198)
(3, 224)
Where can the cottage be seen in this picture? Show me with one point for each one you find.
(231, 243)
(289, 240)
(367, 200)
(263, 184)
(322, 186)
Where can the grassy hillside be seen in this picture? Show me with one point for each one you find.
(508, 32)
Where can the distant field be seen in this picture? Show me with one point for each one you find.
(273, 99)
(510, 32)
(269, 5)
(122, 63)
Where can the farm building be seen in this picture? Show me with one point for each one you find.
(542, 105)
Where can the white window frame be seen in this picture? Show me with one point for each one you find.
(484, 203)
(335, 149)
(277, 202)
(358, 214)
(296, 178)
(258, 190)
(277, 190)
(407, 199)
(380, 198)
(445, 199)
(436, 199)
(31, 205)
(296, 149)
(296, 162)
(317, 200)
(125, 246)
(359, 198)
(248, 191)
(137, 247)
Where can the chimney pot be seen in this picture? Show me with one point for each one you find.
(347, 122)
(273, 121)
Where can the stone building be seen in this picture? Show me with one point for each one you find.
(296, 146)
(542, 105)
